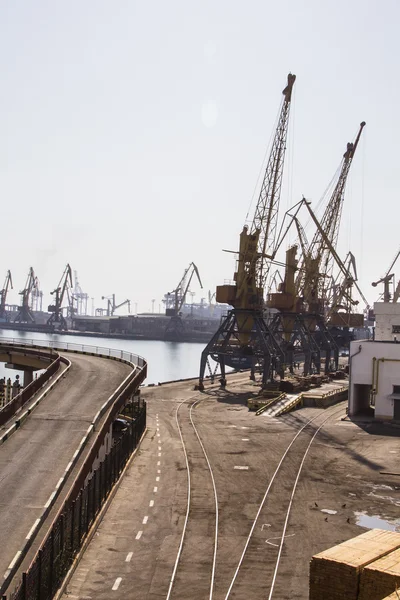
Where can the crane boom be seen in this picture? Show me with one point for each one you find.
(24, 314)
(312, 281)
(63, 289)
(3, 295)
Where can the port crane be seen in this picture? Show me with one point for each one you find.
(24, 314)
(79, 297)
(174, 302)
(3, 295)
(62, 291)
(387, 280)
(243, 339)
(112, 307)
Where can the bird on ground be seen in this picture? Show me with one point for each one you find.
(343, 506)
(326, 518)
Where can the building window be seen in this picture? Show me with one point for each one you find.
(396, 389)
(395, 328)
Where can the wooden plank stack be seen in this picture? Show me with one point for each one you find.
(335, 573)
(394, 596)
(380, 577)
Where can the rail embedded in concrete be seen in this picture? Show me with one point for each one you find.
(124, 391)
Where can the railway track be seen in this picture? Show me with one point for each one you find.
(256, 575)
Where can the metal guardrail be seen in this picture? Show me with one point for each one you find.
(84, 348)
(39, 591)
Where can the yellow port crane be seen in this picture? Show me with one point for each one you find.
(62, 291)
(243, 338)
(3, 295)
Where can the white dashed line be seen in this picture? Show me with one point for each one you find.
(116, 583)
(158, 470)
(155, 490)
(159, 448)
(145, 519)
(245, 439)
(151, 503)
(241, 468)
(157, 479)
(159, 463)
(32, 529)
(158, 435)
(128, 557)
(139, 535)
(159, 454)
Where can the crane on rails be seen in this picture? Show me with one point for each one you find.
(387, 280)
(3, 296)
(79, 297)
(24, 314)
(243, 338)
(174, 302)
(62, 291)
(112, 306)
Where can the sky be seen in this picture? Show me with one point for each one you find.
(132, 134)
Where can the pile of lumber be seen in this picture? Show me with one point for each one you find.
(380, 577)
(394, 596)
(335, 573)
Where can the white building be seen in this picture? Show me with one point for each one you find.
(374, 385)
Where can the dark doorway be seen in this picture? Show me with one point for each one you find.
(361, 399)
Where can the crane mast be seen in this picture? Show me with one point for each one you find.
(257, 245)
(312, 281)
(3, 295)
(24, 314)
(62, 290)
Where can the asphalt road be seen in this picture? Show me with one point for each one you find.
(133, 551)
(34, 458)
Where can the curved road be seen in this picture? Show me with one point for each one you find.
(34, 458)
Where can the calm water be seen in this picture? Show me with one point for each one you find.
(166, 360)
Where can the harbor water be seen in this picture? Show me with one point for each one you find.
(167, 361)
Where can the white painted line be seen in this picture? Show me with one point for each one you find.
(158, 470)
(244, 427)
(240, 468)
(59, 482)
(69, 465)
(14, 560)
(157, 479)
(116, 583)
(155, 490)
(159, 454)
(158, 463)
(151, 503)
(32, 529)
(145, 519)
(159, 448)
(139, 535)
(245, 439)
(50, 500)
(128, 557)
(158, 435)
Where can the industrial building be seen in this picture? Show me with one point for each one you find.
(375, 367)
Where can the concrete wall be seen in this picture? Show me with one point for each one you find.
(361, 373)
(387, 316)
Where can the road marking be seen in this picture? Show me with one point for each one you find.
(139, 535)
(50, 500)
(159, 448)
(59, 482)
(145, 519)
(157, 479)
(245, 439)
(155, 490)
(116, 583)
(158, 435)
(158, 470)
(159, 454)
(14, 560)
(32, 529)
(158, 463)
(244, 427)
(240, 468)
(151, 503)
(128, 557)
(277, 538)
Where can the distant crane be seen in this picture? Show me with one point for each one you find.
(176, 299)
(386, 280)
(80, 297)
(62, 291)
(112, 307)
(24, 314)
(3, 295)
(243, 339)
(174, 302)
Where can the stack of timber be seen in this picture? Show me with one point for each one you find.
(381, 577)
(394, 596)
(335, 573)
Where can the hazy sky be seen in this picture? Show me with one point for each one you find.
(132, 133)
